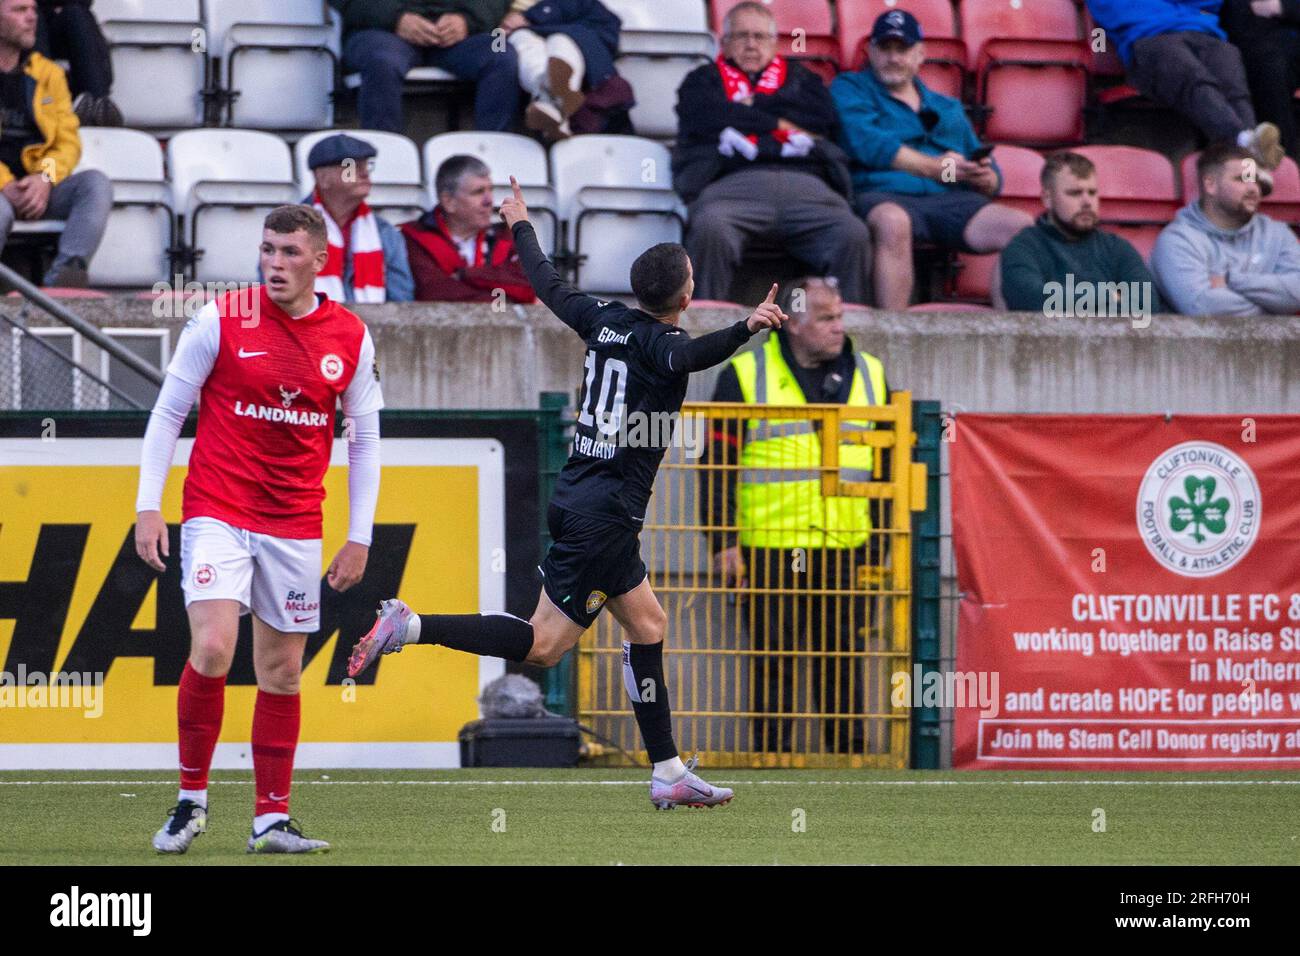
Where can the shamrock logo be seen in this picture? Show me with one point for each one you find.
(1200, 509)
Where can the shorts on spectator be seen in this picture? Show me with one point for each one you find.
(939, 219)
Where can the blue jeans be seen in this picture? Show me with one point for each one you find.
(83, 201)
(383, 60)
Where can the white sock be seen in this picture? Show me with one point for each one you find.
(670, 771)
(198, 796)
(264, 820)
(412, 635)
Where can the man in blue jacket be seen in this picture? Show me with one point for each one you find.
(1176, 53)
(913, 170)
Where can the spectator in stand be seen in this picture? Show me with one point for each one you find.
(756, 158)
(1064, 246)
(367, 255)
(457, 253)
(913, 169)
(1267, 32)
(1176, 54)
(384, 39)
(40, 148)
(1220, 256)
(67, 30)
(566, 51)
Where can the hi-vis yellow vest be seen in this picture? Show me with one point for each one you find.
(780, 500)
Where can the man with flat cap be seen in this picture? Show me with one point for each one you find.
(367, 255)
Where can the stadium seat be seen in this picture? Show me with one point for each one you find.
(1021, 183)
(974, 276)
(944, 70)
(1138, 191)
(277, 70)
(1282, 204)
(660, 43)
(616, 200)
(805, 32)
(1030, 66)
(224, 181)
(396, 188)
(135, 249)
(160, 60)
(506, 155)
(430, 79)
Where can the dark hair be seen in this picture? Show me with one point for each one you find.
(453, 168)
(658, 277)
(287, 219)
(1216, 156)
(1080, 166)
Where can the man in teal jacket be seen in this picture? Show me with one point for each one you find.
(384, 39)
(1064, 265)
(915, 169)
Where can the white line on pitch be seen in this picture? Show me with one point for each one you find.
(642, 783)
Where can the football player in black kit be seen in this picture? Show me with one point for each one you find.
(637, 365)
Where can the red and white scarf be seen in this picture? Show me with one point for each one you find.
(367, 256)
(737, 84)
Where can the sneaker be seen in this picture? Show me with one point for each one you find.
(689, 791)
(384, 638)
(185, 821)
(547, 120)
(559, 76)
(1265, 141)
(71, 274)
(283, 836)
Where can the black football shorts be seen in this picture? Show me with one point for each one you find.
(588, 563)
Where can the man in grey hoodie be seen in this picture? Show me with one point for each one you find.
(1220, 256)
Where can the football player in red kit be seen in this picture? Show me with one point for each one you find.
(270, 364)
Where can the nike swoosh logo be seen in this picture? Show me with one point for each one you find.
(304, 620)
(190, 769)
(243, 354)
(277, 796)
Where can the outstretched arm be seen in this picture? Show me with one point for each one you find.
(575, 309)
(675, 354)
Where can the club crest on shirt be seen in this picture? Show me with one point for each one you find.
(331, 366)
(594, 600)
(204, 575)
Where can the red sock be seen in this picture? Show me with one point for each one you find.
(200, 703)
(275, 738)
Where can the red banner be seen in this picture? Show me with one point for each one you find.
(1130, 592)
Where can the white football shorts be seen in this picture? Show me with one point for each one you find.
(278, 579)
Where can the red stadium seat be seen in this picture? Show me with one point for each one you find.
(1030, 65)
(944, 70)
(1021, 184)
(1282, 204)
(1137, 186)
(974, 278)
(814, 45)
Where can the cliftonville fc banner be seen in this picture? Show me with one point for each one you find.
(93, 641)
(1130, 585)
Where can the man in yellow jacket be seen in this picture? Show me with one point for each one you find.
(775, 531)
(40, 148)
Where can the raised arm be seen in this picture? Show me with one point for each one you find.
(676, 354)
(575, 309)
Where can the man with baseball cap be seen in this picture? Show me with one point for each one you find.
(915, 168)
(367, 255)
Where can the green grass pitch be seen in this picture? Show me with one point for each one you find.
(604, 817)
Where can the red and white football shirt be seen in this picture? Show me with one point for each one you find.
(269, 387)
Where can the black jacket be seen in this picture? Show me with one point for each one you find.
(703, 112)
(1242, 26)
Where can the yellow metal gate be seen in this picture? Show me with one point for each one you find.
(787, 588)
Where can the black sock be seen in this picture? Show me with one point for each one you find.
(643, 678)
(490, 635)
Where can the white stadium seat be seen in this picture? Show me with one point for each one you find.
(277, 65)
(660, 42)
(616, 199)
(396, 188)
(506, 155)
(224, 182)
(160, 60)
(140, 231)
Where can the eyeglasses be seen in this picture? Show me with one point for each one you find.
(748, 36)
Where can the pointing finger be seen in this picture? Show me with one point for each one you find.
(771, 295)
(514, 185)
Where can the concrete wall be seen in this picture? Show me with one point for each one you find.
(468, 356)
